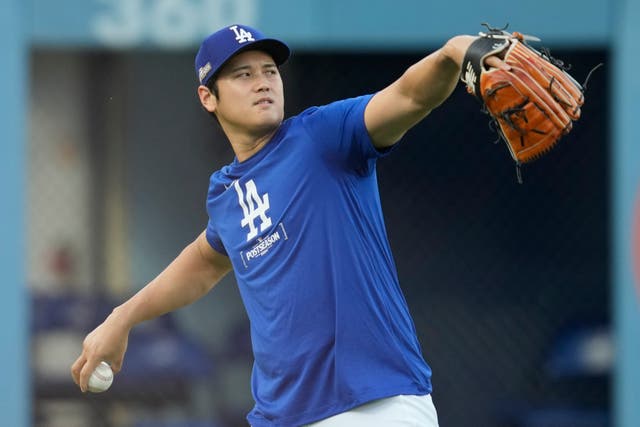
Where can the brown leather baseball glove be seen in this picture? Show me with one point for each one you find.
(534, 104)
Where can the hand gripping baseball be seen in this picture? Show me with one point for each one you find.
(108, 342)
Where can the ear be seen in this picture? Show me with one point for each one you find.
(207, 99)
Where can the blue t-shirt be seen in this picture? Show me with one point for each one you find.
(302, 224)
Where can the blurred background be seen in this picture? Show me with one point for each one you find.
(523, 294)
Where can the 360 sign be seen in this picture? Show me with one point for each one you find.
(170, 23)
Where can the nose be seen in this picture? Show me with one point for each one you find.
(262, 84)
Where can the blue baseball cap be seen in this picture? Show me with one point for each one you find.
(217, 49)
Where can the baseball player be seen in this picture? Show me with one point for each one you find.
(297, 217)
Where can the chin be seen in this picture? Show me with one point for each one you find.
(268, 127)
(270, 122)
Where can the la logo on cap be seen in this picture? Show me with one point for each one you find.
(242, 35)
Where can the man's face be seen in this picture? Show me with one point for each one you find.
(250, 93)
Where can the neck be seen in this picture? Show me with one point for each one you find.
(245, 146)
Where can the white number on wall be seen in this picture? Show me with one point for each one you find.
(169, 23)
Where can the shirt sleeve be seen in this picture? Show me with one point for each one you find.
(340, 129)
(214, 239)
(215, 187)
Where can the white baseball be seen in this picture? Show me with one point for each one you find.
(101, 379)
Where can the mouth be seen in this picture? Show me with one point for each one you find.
(264, 101)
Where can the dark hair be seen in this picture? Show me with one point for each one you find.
(212, 85)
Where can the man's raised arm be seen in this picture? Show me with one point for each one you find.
(423, 86)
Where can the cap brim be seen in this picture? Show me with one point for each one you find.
(279, 51)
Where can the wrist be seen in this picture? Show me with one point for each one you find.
(122, 318)
(455, 48)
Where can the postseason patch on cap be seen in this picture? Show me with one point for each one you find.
(203, 71)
